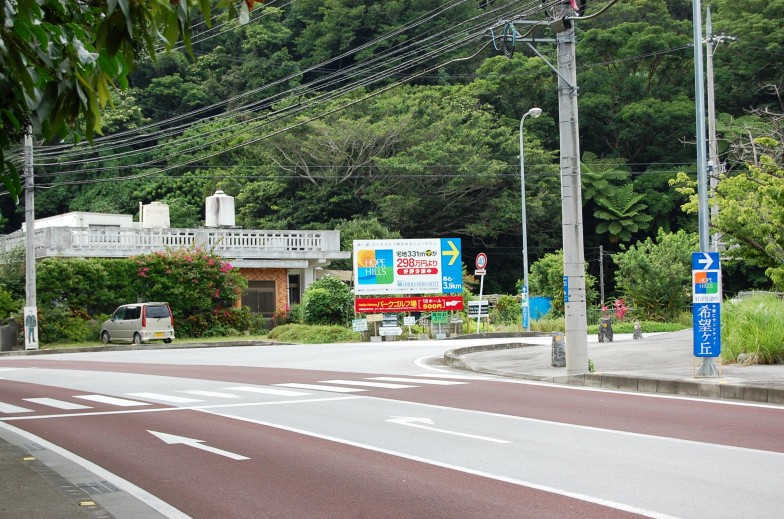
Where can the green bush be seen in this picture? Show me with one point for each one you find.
(8, 305)
(327, 301)
(62, 325)
(753, 326)
(507, 310)
(655, 278)
(307, 334)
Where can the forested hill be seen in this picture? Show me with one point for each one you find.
(387, 118)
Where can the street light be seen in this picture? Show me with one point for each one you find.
(534, 112)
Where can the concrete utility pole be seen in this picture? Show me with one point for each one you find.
(31, 309)
(715, 168)
(571, 204)
(708, 367)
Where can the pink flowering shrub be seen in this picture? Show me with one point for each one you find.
(200, 286)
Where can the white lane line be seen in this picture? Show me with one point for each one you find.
(367, 384)
(420, 381)
(215, 394)
(59, 404)
(316, 387)
(529, 484)
(267, 391)
(8, 408)
(165, 398)
(174, 409)
(111, 400)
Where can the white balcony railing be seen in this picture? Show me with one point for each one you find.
(230, 243)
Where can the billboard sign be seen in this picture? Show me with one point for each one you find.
(407, 304)
(426, 266)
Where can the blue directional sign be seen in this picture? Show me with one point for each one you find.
(706, 303)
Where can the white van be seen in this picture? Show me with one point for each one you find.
(139, 323)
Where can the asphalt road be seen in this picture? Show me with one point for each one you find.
(246, 432)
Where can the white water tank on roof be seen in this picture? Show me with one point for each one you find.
(155, 216)
(219, 210)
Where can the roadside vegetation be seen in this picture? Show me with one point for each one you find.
(753, 330)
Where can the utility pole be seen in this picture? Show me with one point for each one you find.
(30, 309)
(571, 202)
(708, 367)
(715, 167)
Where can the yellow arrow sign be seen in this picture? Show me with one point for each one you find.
(454, 252)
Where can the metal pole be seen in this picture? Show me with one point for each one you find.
(601, 275)
(714, 169)
(708, 367)
(30, 310)
(534, 112)
(571, 200)
(699, 100)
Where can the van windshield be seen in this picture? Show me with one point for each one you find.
(157, 312)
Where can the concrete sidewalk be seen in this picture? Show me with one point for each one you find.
(657, 363)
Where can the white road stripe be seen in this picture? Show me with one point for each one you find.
(166, 398)
(420, 381)
(8, 408)
(316, 387)
(367, 384)
(111, 400)
(215, 394)
(267, 390)
(59, 404)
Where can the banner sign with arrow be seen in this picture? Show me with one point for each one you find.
(706, 303)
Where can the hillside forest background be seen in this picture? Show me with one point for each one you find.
(400, 118)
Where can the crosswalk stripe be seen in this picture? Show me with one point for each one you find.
(120, 402)
(166, 398)
(367, 384)
(8, 408)
(59, 404)
(215, 394)
(267, 390)
(316, 387)
(420, 381)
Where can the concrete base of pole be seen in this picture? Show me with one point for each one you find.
(708, 369)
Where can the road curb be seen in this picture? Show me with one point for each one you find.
(709, 388)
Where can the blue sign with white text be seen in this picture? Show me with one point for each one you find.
(706, 303)
(707, 329)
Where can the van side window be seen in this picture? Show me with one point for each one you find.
(119, 314)
(133, 312)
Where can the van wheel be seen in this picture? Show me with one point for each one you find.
(105, 337)
(137, 339)
(167, 341)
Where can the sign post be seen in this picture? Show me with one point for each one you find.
(706, 310)
(481, 263)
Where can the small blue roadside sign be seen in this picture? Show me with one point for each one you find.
(706, 303)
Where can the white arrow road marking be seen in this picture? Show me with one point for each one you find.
(172, 439)
(419, 424)
(706, 261)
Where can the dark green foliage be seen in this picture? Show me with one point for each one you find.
(655, 277)
(328, 301)
(507, 310)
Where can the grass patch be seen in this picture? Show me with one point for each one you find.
(753, 326)
(305, 334)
